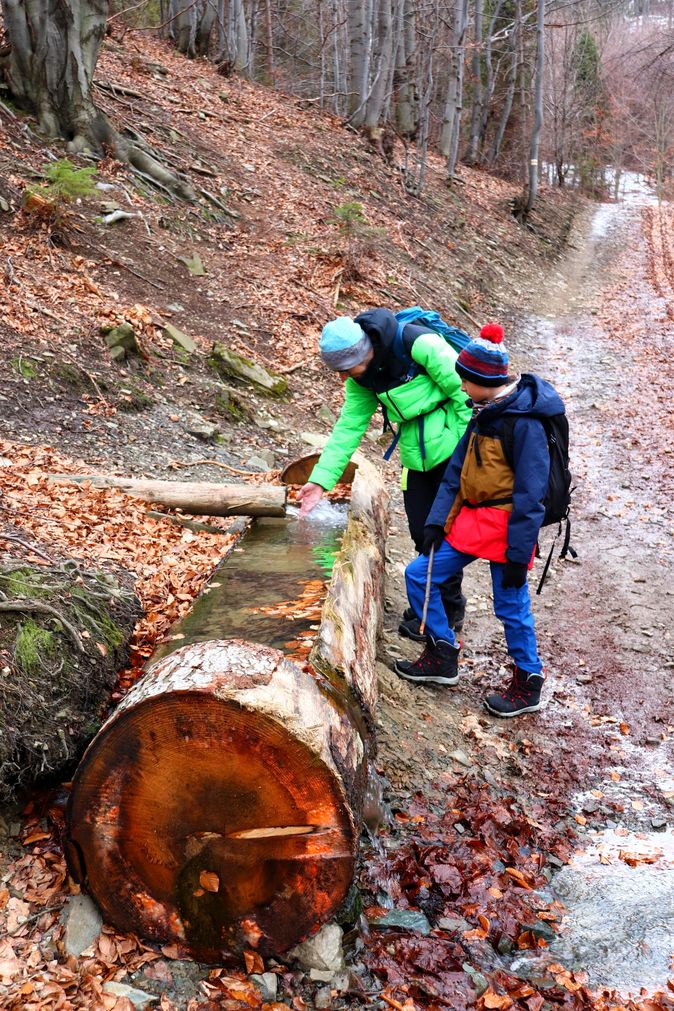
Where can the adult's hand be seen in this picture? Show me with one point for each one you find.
(434, 535)
(514, 575)
(309, 496)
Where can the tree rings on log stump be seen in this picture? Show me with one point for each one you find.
(220, 805)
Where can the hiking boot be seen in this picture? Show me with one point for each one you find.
(410, 625)
(438, 664)
(523, 695)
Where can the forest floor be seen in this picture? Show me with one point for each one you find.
(525, 795)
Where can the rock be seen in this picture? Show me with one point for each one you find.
(583, 679)
(325, 414)
(406, 919)
(83, 924)
(199, 427)
(455, 924)
(659, 824)
(264, 421)
(313, 439)
(479, 981)
(230, 365)
(504, 946)
(267, 984)
(323, 951)
(323, 998)
(180, 339)
(193, 264)
(138, 998)
(654, 741)
(320, 975)
(232, 405)
(461, 757)
(121, 340)
(268, 455)
(175, 307)
(257, 463)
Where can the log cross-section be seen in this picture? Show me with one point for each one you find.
(218, 808)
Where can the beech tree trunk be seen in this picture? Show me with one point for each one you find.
(200, 498)
(220, 806)
(50, 67)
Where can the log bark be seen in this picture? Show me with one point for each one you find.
(220, 806)
(200, 498)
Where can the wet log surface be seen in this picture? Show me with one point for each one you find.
(220, 807)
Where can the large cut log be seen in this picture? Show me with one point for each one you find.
(220, 806)
(200, 498)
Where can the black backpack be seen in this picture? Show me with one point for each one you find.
(557, 499)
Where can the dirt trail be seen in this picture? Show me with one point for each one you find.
(600, 332)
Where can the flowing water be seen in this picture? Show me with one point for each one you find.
(270, 587)
(619, 896)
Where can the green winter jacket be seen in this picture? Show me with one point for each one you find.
(429, 410)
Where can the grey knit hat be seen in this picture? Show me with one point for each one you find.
(343, 344)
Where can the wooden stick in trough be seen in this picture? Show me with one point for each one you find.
(200, 498)
(220, 806)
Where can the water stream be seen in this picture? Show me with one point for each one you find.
(270, 587)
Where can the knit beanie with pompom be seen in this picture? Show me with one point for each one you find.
(485, 361)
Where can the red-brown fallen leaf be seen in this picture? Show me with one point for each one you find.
(624, 729)
(484, 922)
(253, 962)
(210, 881)
(35, 837)
(495, 1000)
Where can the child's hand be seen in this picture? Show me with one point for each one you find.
(514, 575)
(434, 535)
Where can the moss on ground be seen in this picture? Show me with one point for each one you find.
(53, 696)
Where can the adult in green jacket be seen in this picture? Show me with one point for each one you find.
(424, 405)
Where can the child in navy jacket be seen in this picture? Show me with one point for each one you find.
(486, 508)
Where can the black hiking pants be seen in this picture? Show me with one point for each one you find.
(422, 487)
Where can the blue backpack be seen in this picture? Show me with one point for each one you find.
(456, 338)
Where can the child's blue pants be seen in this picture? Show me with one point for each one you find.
(511, 606)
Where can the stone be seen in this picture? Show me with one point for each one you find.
(479, 981)
(584, 679)
(121, 337)
(268, 456)
(180, 339)
(138, 998)
(231, 365)
(193, 264)
(202, 429)
(325, 414)
(323, 998)
(323, 951)
(314, 439)
(257, 463)
(267, 984)
(461, 757)
(83, 924)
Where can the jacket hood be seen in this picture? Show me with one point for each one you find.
(381, 327)
(533, 396)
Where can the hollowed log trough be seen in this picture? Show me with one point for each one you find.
(220, 806)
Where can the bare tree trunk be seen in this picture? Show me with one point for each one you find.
(382, 65)
(449, 136)
(208, 14)
(488, 93)
(269, 41)
(507, 103)
(183, 15)
(478, 96)
(538, 107)
(50, 70)
(358, 61)
(407, 97)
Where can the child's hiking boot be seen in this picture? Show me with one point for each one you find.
(523, 695)
(438, 664)
(409, 625)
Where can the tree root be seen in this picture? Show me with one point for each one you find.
(28, 605)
